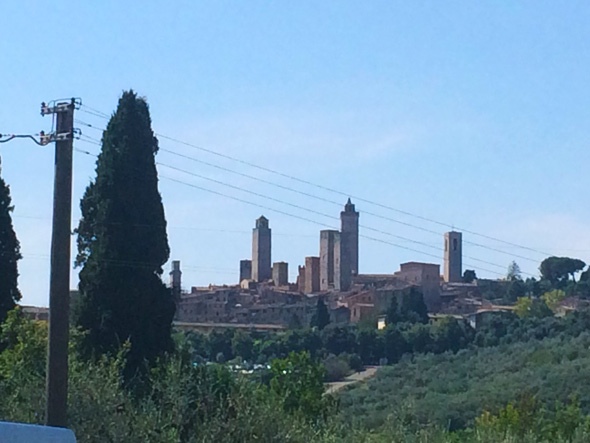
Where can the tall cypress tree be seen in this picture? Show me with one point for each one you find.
(122, 243)
(9, 254)
(321, 317)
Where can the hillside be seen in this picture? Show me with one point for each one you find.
(450, 390)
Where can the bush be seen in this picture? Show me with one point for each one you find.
(337, 368)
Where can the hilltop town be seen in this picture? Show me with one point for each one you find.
(264, 299)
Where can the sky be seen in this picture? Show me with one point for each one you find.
(430, 115)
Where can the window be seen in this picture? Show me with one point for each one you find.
(455, 244)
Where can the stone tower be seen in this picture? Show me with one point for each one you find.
(312, 275)
(349, 232)
(176, 279)
(280, 273)
(453, 272)
(261, 247)
(330, 256)
(245, 270)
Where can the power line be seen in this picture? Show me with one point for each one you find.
(325, 188)
(317, 213)
(139, 264)
(313, 221)
(510, 254)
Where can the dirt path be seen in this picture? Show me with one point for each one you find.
(368, 372)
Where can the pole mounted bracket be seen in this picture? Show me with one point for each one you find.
(51, 137)
(57, 106)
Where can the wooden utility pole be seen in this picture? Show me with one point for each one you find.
(59, 285)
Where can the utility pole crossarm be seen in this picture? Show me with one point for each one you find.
(59, 109)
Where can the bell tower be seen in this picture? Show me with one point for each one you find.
(453, 272)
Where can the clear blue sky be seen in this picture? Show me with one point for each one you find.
(474, 114)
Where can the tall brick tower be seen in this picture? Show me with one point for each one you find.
(349, 219)
(330, 256)
(453, 272)
(261, 248)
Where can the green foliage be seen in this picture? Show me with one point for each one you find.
(9, 254)
(321, 316)
(528, 419)
(392, 314)
(523, 306)
(122, 244)
(336, 368)
(553, 298)
(532, 307)
(469, 276)
(514, 272)
(534, 287)
(242, 345)
(516, 290)
(439, 336)
(22, 364)
(527, 389)
(557, 270)
(410, 308)
(24, 344)
(451, 390)
(298, 382)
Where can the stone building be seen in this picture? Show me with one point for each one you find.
(427, 277)
(349, 220)
(453, 267)
(312, 275)
(330, 260)
(261, 251)
(301, 279)
(245, 270)
(280, 273)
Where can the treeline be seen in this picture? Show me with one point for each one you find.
(557, 276)
(371, 346)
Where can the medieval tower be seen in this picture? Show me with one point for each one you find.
(176, 279)
(453, 269)
(261, 247)
(330, 256)
(349, 220)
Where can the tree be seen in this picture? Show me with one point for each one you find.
(553, 298)
(321, 317)
(451, 334)
(242, 345)
(9, 254)
(392, 314)
(395, 345)
(516, 289)
(411, 309)
(122, 243)
(528, 307)
(298, 382)
(534, 287)
(513, 272)
(469, 276)
(557, 270)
